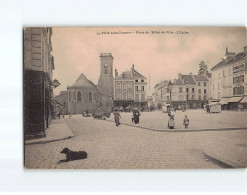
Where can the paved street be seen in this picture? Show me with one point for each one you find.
(129, 147)
(199, 119)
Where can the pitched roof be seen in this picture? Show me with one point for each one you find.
(125, 75)
(237, 57)
(82, 81)
(178, 82)
(200, 78)
(188, 79)
(137, 74)
(62, 92)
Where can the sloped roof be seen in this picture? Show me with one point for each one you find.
(137, 74)
(82, 81)
(200, 78)
(62, 92)
(178, 82)
(125, 75)
(237, 57)
(188, 79)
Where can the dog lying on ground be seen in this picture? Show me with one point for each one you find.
(73, 155)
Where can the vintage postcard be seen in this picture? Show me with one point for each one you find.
(135, 97)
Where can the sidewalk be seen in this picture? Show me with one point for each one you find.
(230, 152)
(58, 130)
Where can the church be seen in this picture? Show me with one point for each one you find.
(124, 90)
(85, 95)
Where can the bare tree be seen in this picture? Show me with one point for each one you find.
(203, 68)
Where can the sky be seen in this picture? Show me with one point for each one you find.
(161, 52)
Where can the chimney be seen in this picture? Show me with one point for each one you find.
(226, 51)
(133, 67)
(190, 73)
(116, 73)
(179, 75)
(245, 49)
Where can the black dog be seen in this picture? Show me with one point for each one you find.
(72, 155)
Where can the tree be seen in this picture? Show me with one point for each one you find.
(203, 68)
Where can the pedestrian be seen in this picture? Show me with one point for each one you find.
(136, 115)
(117, 117)
(171, 123)
(59, 115)
(186, 121)
(63, 114)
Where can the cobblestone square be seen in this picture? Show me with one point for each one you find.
(129, 147)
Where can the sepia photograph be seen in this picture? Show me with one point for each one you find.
(135, 97)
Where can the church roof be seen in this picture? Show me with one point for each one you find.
(82, 81)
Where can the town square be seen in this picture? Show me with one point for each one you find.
(135, 100)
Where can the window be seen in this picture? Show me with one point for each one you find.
(205, 84)
(204, 97)
(167, 90)
(187, 97)
(69, 97)
(193, 90)
(90, 97)
(199, 91)
(199, 84)
(142, 80)
(180, 90)
(136, 88)
(193, 97)
(199, 97)
(168, 98)
(187, 90)
(136, 96)
(136, 80)
(205, 91)
(223, 73)
(143, 97)
(78, 96)
(142, 88)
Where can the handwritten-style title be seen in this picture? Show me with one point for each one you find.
(151, 32)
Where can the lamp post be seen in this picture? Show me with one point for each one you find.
(170, 86)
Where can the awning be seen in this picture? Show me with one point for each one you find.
(53, 99)
(244, 100)
(213, 103)
(224, 100)
(236, 99)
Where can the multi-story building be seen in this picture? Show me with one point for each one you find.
(130, 89)
(38, 84)
(62, 98)
(228, 80)
(187, 91)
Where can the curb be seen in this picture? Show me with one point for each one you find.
(221, 161)
(49, 141)
(182, 130)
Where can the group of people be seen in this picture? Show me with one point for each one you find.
(171, 121)
(136, 118)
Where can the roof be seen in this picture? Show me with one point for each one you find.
(130, 74)
(82, 81)
(224, 100)
(125, 75)
(62, 92)
(244, 100)
(106, 55)
(178, 82)
(188, 79)
(200, 78)
(236, 58)
(137, 74)
(236, 99)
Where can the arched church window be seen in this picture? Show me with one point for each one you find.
(90, 97)
(79, 96)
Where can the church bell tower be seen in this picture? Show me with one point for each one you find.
(105, 84)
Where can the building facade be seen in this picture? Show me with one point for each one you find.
(37, 81)
(82, 96)
(190, 91)
(228, 80)
(62, 98)
(130, 89)
(105, 83)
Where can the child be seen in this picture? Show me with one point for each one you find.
(186, 121)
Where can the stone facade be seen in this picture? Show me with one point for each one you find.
(82, 96)
(37, 80)
(105, 83)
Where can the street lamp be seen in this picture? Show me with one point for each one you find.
(170, 86)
